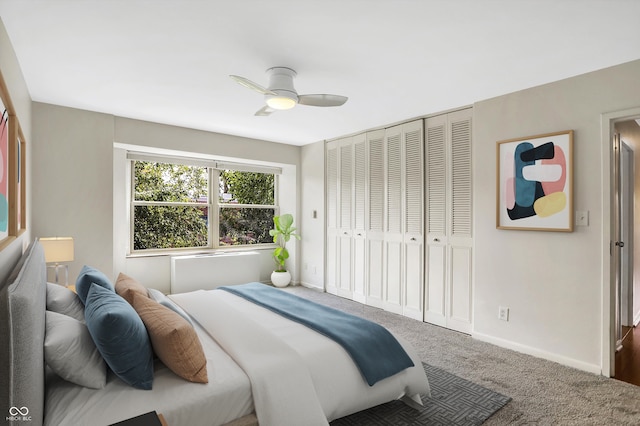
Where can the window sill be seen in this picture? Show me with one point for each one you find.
(188, 252)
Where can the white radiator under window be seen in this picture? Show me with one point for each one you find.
(208, 271)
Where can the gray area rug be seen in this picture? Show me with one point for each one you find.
(453, 401)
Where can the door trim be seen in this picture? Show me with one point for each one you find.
(607, 122)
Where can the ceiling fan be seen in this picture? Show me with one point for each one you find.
(281, 94)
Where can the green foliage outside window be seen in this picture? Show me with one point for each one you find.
(166, 225)
(245, 225)
(159, 227)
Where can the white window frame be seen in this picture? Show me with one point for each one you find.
(213, 171)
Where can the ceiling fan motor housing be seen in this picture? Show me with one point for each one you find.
(281, 83)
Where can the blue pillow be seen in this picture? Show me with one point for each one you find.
(88, 276)
(120, 336)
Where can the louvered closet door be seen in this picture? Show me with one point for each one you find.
(375, 218)
(460, 240)
(448, 297)
(331, 276)
(413, 204)
(393, 236)
(345, 216)
(359, 217)
(436, 207)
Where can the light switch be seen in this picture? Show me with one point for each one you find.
(582, 218)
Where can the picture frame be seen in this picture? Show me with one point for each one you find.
(5, 162)
(13, 199)
(534, 183)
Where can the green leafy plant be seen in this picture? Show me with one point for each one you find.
(282, 232)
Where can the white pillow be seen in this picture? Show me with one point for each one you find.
(64, 301)
(70, 352)
(159, 297)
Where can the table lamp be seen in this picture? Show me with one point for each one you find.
(57, 250)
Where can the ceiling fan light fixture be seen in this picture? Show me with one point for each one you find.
(281, 102)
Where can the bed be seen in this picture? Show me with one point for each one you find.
(280, 373)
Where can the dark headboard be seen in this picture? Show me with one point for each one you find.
(22, 313)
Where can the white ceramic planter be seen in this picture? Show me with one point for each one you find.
(280, 279)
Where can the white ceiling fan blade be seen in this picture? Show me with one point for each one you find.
(251, 85)
(322, 100)
(264, 111)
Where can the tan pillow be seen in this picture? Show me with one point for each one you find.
(127, 286)
(174, 340)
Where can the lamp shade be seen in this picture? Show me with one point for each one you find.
(57, 249)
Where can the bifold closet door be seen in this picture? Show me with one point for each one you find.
(403, 238)
(376, 218)
(393, 230)
(448, 297)
(413, 218)
(359, 217)
(345, 217)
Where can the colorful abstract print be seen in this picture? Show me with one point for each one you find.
(4, 174)
(536, 181)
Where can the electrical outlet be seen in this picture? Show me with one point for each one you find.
(503, 313)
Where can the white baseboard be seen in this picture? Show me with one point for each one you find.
(311, 286)
(570, 362)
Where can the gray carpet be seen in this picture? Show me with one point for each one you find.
(543, 392)
(453, 402)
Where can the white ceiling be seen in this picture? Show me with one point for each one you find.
(169, 61)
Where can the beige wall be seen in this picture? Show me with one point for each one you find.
(73, 182)
(80, 185)
(21, 100)
(551, 281)
(312, 228)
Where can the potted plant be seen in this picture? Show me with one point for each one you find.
(282, 232)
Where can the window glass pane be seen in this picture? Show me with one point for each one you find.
(161, 227)
(245, 226)
(246, 188)
(170, 182)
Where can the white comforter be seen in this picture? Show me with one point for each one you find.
(226, 397)
(298, 376)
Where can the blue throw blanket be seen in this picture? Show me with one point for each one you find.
(373, 348)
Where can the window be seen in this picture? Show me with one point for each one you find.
(174, 204)
(246, 204)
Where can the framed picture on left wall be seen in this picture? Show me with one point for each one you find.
(4, 172)
(13, 207)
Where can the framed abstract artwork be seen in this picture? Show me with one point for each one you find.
(535, 183)
(13, 208)
(4, 172)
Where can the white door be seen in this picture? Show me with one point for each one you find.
(345, 246)
(413, 205)
(436, 221)
(359, 217)
(448, 295)
(393, 235)
(375, 216)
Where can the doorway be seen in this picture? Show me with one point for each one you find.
(621, 296)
